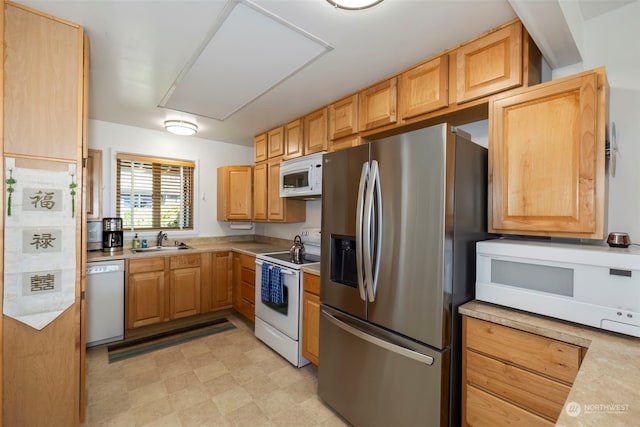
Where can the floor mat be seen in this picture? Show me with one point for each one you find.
(148, 344)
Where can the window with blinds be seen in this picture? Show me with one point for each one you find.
(154, 193)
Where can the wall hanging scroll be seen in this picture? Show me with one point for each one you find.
(40, 244)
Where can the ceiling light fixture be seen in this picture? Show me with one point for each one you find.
(354, 4)
(180, 127)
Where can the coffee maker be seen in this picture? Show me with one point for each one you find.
(112, 236)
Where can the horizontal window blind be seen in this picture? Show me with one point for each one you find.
(154, 193)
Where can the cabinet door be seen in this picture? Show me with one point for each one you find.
(343, 143)
(260, 147)
(221, 292)
(184, 292)
(294, 144)
(260, 195)
(425, 88)
(311, 318)
(546, 159)
(378, 105)
(145, 302)
(343, 117)
(315, 131)
(94, 184)
(275, 204)
(237, 268)
(275, 142)
(489, 64)
(235, 195)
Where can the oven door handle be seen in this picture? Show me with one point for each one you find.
(282, 269)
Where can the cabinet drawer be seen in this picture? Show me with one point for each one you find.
(143, 265)
(247, 261)
(545, 355)
(248, 276)
(311, 283)
(535, 392)
(246, 308)
(483, 409)
(191, 260)
(248, 291)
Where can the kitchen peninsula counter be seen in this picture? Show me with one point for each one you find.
(605, 391)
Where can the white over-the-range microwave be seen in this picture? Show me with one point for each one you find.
(593, 285)
(302, 177)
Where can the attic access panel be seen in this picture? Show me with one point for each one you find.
(248, 51)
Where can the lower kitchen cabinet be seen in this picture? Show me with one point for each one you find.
(311, 317)
(184, 286)
(244, 280)
(512, 377)
(221, 294)
(145, 291)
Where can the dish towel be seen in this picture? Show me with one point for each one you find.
(277, 295)
(265, 285)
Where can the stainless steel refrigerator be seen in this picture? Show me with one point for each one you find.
(400, 218)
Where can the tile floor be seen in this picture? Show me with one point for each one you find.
(227, 379)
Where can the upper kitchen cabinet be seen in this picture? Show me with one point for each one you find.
(260, 147)
(502, 59)
(315, 131)
(260, 195)
(235, 193)
(281, 209)
(547, 158)
(275, 142)
(343, 117)
(378, 105)
(94, 184)
(293, 142)
(424, 88)
(344, 143)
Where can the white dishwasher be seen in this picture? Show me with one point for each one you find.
(105, 302)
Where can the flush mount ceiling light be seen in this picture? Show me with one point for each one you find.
(180, 127)
(354, 4)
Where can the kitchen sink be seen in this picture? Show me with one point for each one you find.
(161, 248)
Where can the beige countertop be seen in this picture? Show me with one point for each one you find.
(311, 269)
(606, 391)
(198, 246)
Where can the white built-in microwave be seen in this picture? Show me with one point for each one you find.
(302, 177)
(593, 285)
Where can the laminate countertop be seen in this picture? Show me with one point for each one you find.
(606, 391)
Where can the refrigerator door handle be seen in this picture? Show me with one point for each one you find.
(372, 267)
(364, 177)
(419, 357)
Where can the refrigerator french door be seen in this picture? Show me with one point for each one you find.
(400, 217)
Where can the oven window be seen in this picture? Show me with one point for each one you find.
(296, 180)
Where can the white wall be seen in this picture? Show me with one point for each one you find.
(112, 138)
(288, 231)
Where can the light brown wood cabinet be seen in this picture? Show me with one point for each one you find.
(378, 105)
(221, 293)
(424, 88)
(547, 158)
(343, 117)
(260, 193)
(282, 209)
(235, 193)
(294, 141)
(275, 142)
(145, 296)
(311, 317)
(489, 64)
(94, 184)
(512, 377)
(261, 152)
(184, 286)
(344, 143)
(315, 131)
(244, 280)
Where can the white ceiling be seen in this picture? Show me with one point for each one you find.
(150, 52)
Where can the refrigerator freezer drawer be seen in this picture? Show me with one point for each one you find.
(374, 382)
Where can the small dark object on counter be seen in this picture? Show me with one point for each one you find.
(618, 240)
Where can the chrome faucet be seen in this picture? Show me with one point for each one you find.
(161, 236)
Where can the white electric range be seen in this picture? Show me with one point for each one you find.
(278, 321)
